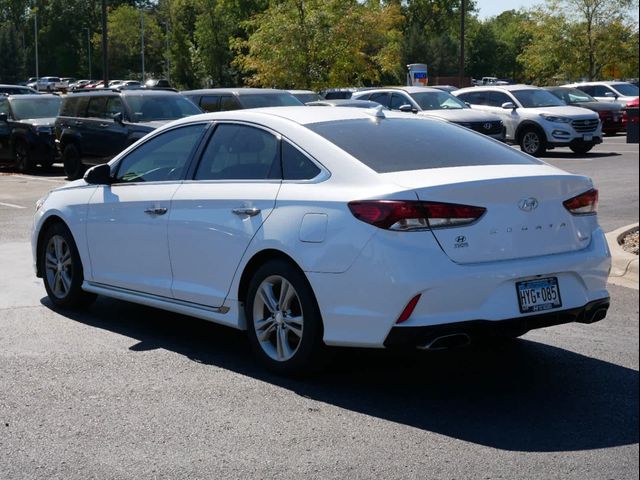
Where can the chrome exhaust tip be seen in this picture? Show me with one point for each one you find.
(447, 342)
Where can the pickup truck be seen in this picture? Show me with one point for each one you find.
(51, 84)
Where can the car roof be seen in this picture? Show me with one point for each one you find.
(301, 91)
(508, 88)
(607, 82)
(116, 91)
(406, 89)
(233, 91)
(302, 115)
(34, 95)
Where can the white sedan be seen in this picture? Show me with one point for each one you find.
(314, 226)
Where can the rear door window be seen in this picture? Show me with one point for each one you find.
(240, 152)
(296, 165)
(210, 103)
(97, 107)
(229, 102)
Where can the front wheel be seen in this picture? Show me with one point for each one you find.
(283, 319)
(62, 268)
(73, 167)
(533, 142)
(22, 157)
(581, 148)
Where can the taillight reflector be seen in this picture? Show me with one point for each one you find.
(407, 215)
(408, 310)
(584, 204)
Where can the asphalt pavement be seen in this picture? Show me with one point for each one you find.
(125, 391)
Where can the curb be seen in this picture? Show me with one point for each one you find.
(624, 265)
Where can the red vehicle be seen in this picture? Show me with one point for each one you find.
(633, 104)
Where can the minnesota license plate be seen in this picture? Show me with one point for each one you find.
(587, 138)
(539, 295)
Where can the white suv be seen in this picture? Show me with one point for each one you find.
(619, 92)
(51, 84)
(535, 119)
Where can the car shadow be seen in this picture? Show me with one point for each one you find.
(519, 396)
(569, 155)
(55, 170)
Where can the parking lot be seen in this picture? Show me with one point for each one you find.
(122, 391)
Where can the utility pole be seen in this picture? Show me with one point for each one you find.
(35, 30)
(105, 58)
(89, 50)
(168, 54)
(142, 41)
(463, 16)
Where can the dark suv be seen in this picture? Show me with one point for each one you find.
(224, 99)
(95, 126)
(26, 130)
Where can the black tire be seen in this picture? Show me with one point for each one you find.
(63, 284)
(46, 165)
(581, 149)
(533, 142)
(309, 350)
(22, 157)
(73, 167)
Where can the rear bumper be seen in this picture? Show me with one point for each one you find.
(477, 329)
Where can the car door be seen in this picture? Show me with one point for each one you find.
(113, 134)
(215, 215)
(5, 130)
(509, 116)
(127, 221)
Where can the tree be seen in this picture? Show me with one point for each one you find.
(315, 44)
(11, 55)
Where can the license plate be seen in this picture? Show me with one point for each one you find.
(538, 295)
(588, 138)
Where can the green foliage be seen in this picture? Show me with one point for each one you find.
(11, 55)
(315, 44)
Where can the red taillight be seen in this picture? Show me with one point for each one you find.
(584, 204)
(408, 310)
(406, 215)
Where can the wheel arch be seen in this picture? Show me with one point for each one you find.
(527, 125)
(259, 259)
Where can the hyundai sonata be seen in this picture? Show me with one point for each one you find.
(314, 226)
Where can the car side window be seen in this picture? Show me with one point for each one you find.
(114, 105)
(588, 89)
(163, 158)
(296, 165)
(496, 99)
(240, 152)
(210, 103)
(397, 100)
(97, 107)
(229, 102)
(473, 98)
(383, 98)
(601, 91)
(4, 107)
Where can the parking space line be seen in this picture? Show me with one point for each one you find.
(12, 205)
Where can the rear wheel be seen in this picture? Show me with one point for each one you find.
(24, 163)
(581, 148)
(533, 142)
(73, 167)
(283, 319)
(62, 268)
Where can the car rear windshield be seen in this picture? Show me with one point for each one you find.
(437, 101)
(398, 144)
(149, 108)
(626, 89)
(45, 107)
(258, 100)
(537, 98)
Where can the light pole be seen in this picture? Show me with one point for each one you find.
(462, 33)
(142, 41)
(89, 50)
(105, 61)
(35, 33)
(168, 54)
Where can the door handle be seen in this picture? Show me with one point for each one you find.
(156, 211)
(250, 211)
(103, 125)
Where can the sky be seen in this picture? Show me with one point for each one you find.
(490, 8)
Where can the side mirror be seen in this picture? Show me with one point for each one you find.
(407, 108)
(467, 104)
(99, 175)
(4, 117)
(610, 95)
(509, 106)
(118, 118)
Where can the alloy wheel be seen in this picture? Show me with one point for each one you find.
(278, 318)
(531, 142)
(59, 266)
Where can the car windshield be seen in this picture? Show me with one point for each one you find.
(626, 89)
(437, 101)
(149, 108)
(258, 100)
(403, 144)
(45, 107)
(573, 95)
(537, 98)
(17, 91)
